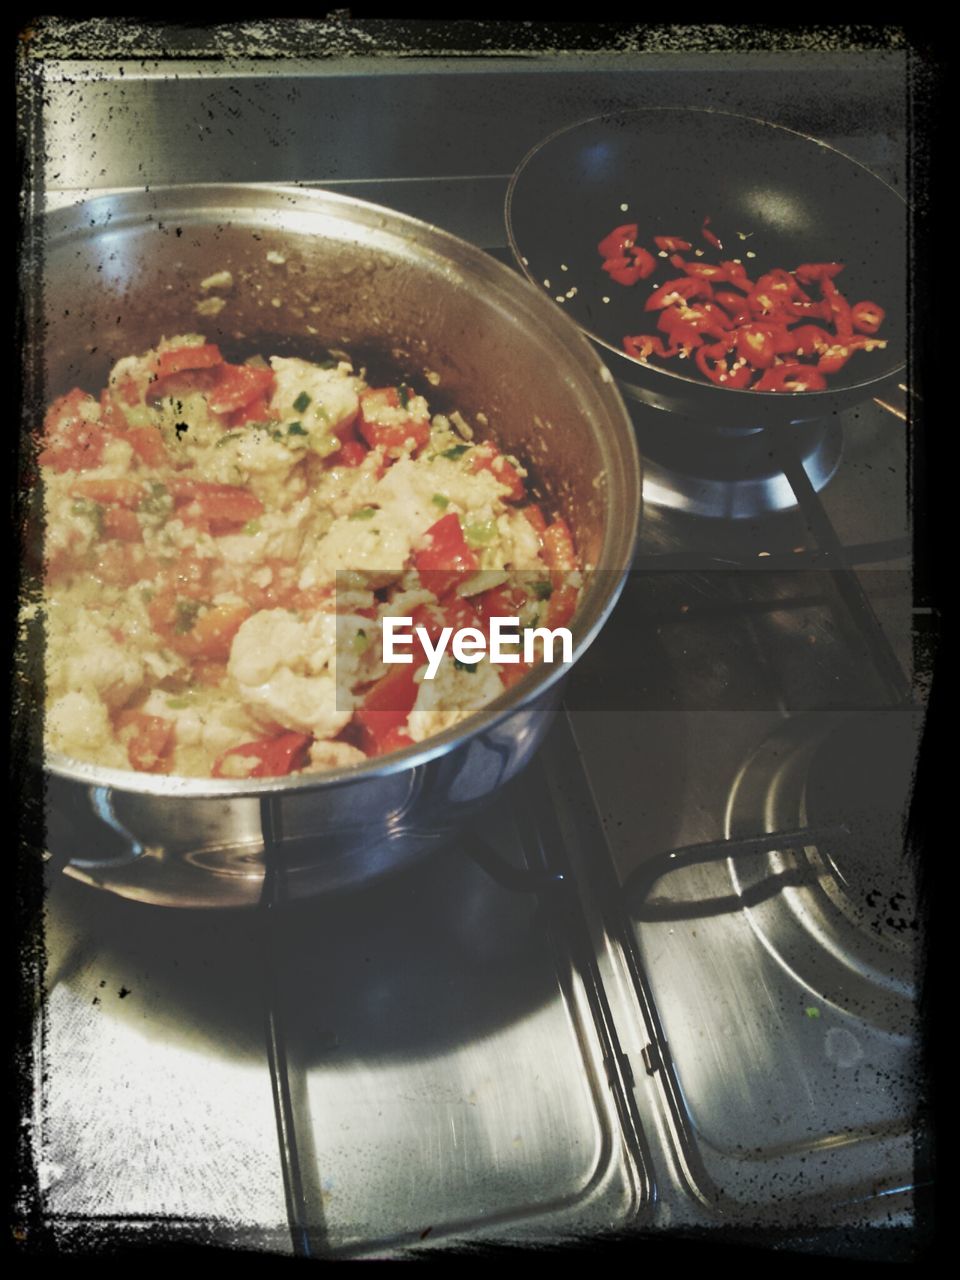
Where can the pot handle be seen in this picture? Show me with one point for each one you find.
(108, 833)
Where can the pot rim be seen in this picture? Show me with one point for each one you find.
(213, 203)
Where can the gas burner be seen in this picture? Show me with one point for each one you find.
(727, 472)
(845, 919)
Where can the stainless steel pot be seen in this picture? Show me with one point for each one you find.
(312, 270)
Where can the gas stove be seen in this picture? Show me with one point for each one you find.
(668, 986)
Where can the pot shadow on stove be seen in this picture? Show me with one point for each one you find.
(423, 961)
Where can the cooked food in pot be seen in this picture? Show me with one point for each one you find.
(224, 541)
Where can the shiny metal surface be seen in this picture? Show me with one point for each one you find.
(405, 299)
(449, 1071)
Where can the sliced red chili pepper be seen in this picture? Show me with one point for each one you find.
(683, 336)
(620, 239)
(867, 316)
(276, 757)
(736, 274)
(791, 377)
(671, 244)
(677, 290)
(816, 272)
(736, 377)
(809, 339)
(625, 271)
(709, 236)
(839, 309)
(643, 345)
(755, 343)
(702, 270)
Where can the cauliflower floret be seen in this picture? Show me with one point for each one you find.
(449, 696)
(78, 725)
(332, 755)
(322, 401)
(292, 672)
(81, 654)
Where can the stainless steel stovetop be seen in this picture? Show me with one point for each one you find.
(622, 1005)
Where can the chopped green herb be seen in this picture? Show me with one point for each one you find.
(156, 501)
(440, 500)
(455, 451)
(227, 437)
(543, 590)
(178, 704)
(360, 642)
(186, 616)
(297, 429)
(812, 1011)
(405, 394)
(301, 402)
(466, 666)
(365, 513)
(480, 533)
(92, 510)
(252, 526)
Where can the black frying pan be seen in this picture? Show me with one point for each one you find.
(797, 199)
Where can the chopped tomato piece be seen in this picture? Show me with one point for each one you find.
(150, 743)
(239, 385)
(558, 549)
(273, 757)
(499, 602)
(388, 704)
(148, 445)
(351, 454)
(193, 629)
(223, 507)
(445, 559)
(122, 491)
(180, 359)
(73, 441)
(487, 457)
(535, 517)
(561, 606)
(256, 411)
(384, 421)
(119, 522)
(671, 244)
